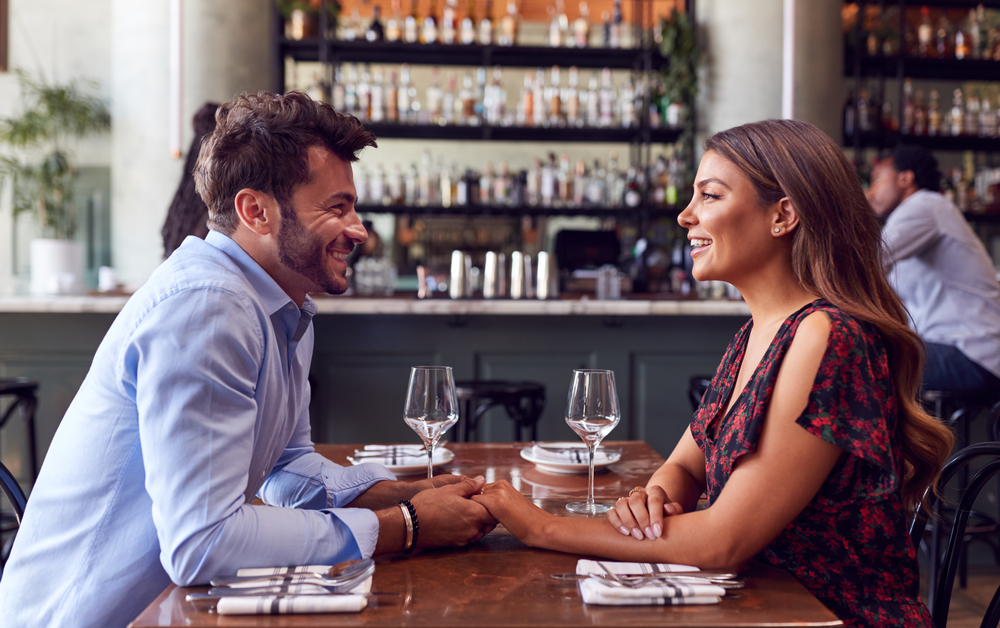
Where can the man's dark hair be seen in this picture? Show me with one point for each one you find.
(261, 142)
(921, 163)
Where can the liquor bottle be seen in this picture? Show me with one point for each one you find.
(339, 95)
(394, 25)
(445, 184)
(615, 182)
(468, 30)
(404, 105)
(632, 187)
(934, 115)
(616, 26)
(555, 97)
(486, 25)
(970, 124)
(502, 185)
(361, 185)
(581, 27)
(593, 103)
(547, 185)
(424, 189)
(942, 42)
(448, 101)
(508, 26)
(987, 119)
(559, 25)
(573, 117)
(429, 27)
(434, 96)
(658, 182)
(411, 185)
(397, 191)
(607, 99)
(919, 114)
(392, 99)
(580, 184)
(850, 109)
(352, 26)
(606, 29)
(486, 185)
(864, 121)
(555, 34)
(449, 30)
(564, 183)
(375, 32)
(468, 100)
(377, 98)
(674, 180)
(906, 124)
(925, 34)
(411, 25)
(541, 110)
(957, 113)
(365, 95)
(527, 101)
(980, 35)
(963, 48)
(626, 100)
(889, 121)
(479, 98)
(495, 99)
(351, 92)
(377, 190)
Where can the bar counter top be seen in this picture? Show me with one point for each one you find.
(112, 304)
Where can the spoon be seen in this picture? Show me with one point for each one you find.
(348, 573)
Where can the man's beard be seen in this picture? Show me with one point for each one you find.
(302, 251)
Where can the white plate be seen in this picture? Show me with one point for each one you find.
(446, 456)
(569, 468)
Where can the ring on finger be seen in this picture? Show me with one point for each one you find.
(634, 490)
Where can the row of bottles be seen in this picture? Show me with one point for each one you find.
(973, 189)
(452, 28)
(548, 182)
(973, 115)
(381, 95)
(931, 34)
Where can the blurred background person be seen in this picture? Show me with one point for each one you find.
(187, 214)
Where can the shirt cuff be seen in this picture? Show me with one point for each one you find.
(363, 524)
(350, 482)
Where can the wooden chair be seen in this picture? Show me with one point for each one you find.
(523, 401)
(941, 583)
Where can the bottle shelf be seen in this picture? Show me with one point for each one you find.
(523, 133)
(468, 54)
(924, 68)
(931, 142)
(526, 210)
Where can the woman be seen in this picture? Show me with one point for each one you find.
(809, 443)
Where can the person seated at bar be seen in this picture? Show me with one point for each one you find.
(197, 400)
(941, 271)
(809, 444)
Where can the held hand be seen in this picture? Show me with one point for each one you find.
(436, 482)
(447, 517)
(641, 513)
(512, 509)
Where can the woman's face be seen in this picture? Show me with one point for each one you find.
(729, 231)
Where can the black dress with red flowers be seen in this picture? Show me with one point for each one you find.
(850, 546)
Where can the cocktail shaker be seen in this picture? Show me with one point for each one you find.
(494, 276)
(458, 284)
(543, 285)
(520, 276)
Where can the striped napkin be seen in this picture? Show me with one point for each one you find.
(570, 453)
(597, 591)
(296, 604)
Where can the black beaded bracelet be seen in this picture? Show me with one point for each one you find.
(416, 525)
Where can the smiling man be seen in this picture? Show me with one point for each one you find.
(197, 400)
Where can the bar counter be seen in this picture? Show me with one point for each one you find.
(365, 347)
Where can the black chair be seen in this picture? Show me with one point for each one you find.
(941, 584)
(24, 401)
(697, 386)
(9, 524)
(524, 402)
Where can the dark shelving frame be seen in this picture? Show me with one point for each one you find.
(627, 213)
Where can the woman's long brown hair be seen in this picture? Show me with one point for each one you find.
(837, 254)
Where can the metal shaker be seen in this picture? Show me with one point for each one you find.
(494, 280)
(458, 283)
(520, 276)
(543, 284)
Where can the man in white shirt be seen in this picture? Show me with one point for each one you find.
(942, 272)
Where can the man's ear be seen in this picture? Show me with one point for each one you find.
(906, 179)
(785, 218)
(257, 211)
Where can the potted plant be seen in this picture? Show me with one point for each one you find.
(42, 175)
(302, 17)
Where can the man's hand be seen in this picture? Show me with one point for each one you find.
(448, 517)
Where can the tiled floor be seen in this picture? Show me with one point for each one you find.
(969, 605)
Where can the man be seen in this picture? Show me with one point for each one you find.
(197, 400)
(942, 272)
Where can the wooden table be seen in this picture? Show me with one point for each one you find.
(499, 582)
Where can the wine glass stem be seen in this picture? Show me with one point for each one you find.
(430, 460)
(590, 484)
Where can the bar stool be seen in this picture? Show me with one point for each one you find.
(524, 402)
(22, 390)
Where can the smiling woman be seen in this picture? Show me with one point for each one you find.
(809, 444)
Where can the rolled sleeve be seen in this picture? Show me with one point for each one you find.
(363, 525)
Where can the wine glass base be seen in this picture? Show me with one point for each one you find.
(584, 508)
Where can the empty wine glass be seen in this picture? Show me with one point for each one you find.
(431, 406)
(592, 412)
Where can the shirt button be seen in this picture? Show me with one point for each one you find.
(290, 305)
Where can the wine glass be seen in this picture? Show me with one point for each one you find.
(592, 411)
(431, 406)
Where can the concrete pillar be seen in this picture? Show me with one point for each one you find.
(741, 80)
(226, 48)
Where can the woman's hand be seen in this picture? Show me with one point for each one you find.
(522, 518)
(641, 513)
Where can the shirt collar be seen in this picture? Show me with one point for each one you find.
(271, 295)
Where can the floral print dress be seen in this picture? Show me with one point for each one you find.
(850, 546)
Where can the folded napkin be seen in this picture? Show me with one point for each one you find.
(267, 572)
(585, 567)
(570, 453)
(294, 604)
(595, 591)
(397, 455)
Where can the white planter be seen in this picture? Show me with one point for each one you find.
(56, 267)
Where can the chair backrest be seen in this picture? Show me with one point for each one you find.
(697, 386)
(13, 492)
(941, 600)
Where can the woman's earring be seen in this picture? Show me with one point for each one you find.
(777, 229)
